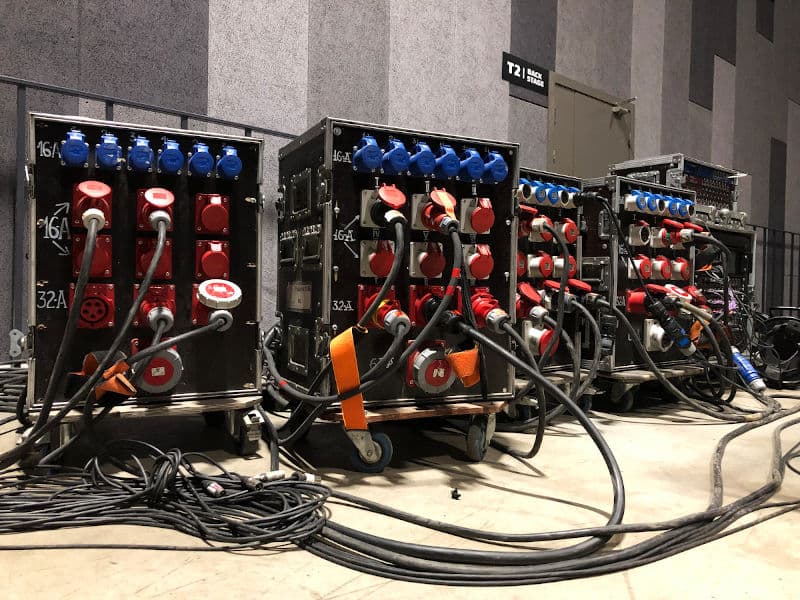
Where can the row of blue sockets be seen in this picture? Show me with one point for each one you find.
(548, 192)
(141, 157)
(675, 206)
(369, 157)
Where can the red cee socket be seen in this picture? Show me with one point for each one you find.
(540, 265)
(569, 231)
(90, 194)
(442, 204)
(527, 298)
(212, 214)
(634, 302)
(680, 269)
(482, 216)
(145, 249)
(101, 261)
(482, 304)
(526, 216)
(366, 294)
(431, 261)
(643, 265)
(522, 267)
(480, 262)
(97, 307)
(151, 200)
(156, 295)
(544, 341)
(578, 286)
(662, 268)
(380, 261)
(558, 264)
(212, 259)
(200, 312)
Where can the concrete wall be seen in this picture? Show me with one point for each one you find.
(707, 81)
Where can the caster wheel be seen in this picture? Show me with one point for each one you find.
(385, 449)
(524, 413)
(625, 403)
(585, 403)
(477, 438)
(246, 447)
(215, 419)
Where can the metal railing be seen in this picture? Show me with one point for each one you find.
(777, 268)
(110, 102)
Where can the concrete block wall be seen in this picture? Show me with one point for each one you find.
(706, 80)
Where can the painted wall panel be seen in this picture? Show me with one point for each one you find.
(527, 125)
(348, 59)
(698, 143)
(533, 38)
(675, 83)
(713, 33)
(792, 213)
(594, 43)
(724, 113)
(647, 74)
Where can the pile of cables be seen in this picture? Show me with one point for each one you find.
(13, 383)
(226, 510)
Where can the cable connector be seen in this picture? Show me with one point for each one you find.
(268, 476)
(306, 477)
(213, 489)
(671, 326)
(93, 214)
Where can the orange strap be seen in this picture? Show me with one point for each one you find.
(345, 370)
(465, 364)
(117, 384)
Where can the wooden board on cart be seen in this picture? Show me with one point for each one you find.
(404, 413)
(178, 408)
(642, 375)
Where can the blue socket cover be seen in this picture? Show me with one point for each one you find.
(495, 168)
(672, 204)
(229, 165)
(140, 155)
(683, 207)
(395, 159)
(368, 155)
(471, 167)
(108, 153)
(641, 202)
(652, 202)
(170, 159)
(540, 191)
(554, 193)
(447, 163)
(423, 162)
(74, 149)
(573, 190)
(201, 163)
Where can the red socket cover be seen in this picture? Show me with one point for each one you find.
(579, 286)
(527, 298)
(431, 261)
(212, 214)
(544, 341)
(441, 204)
(151, 200)
(569, 230)
(573, 266)
(391, 197)
(526, 216)
(145, 249)
(540, 265)
(91, 194)
(643, 265)
(480, 262)
(522, 268)
(101, 261)
(380, 261)
(97, 307)
(212, 259)
(366, 294)
(482, 217)
(156, 295)
(634, 302)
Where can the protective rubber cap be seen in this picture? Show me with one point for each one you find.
(170, 160)
(108, 153)
(229, 165)
(368, 156)
(140, 155)
(447, 163)
(391, 196)
(422, 162)
(201, 163)
(495, 168)
(219, 293)
(579, 286)
(94, 189)
(527, 291)
(481, 262)
(482, 217)
(214, 262)
(471, 167)
(395, 158)
(214, 216)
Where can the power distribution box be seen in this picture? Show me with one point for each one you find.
(209, 184)
(333, 257)
(651, 217)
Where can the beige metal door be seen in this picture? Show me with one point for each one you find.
(588, 130)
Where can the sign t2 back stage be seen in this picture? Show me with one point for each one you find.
(524, 74)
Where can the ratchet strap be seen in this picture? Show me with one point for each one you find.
(345, 370)
(465, 363)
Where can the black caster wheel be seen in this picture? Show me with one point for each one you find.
(478, 438)
(386, 451)
(625, 403)
(245, 446)
(215, 419)
(585, 403)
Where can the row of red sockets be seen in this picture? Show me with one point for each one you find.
(99, 303)
(212, 258)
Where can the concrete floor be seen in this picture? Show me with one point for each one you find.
(664, 453)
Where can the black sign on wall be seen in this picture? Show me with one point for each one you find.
(524, 74)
